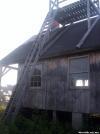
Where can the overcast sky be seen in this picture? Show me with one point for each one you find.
(19, 20)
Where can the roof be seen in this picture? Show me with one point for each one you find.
(69, 40)
(19, 53)
(66, 43)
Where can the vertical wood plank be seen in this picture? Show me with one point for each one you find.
(60, 81)
(46, 87)
(92, 83)
(75, 100)
(97, 90)
(83, 100)
(53, 91)
(66, 92)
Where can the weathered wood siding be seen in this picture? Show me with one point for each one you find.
(55, 94)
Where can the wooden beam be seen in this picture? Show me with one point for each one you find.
(5, 72)
(88, 13)
(53, 4)
(87, 33)
(11, 67)
(54, 115)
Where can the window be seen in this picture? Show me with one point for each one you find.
(79, 72)
(36, 77)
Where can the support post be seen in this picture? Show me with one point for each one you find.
(51, 8)
(88, 13)
(57, 4)
(54, 115)
(77, 120)
(87, 33)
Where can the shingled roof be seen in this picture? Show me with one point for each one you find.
(66, 43)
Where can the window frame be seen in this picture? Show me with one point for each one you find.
(30, 88)
(79, 87)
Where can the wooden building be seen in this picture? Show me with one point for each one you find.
(66, 76)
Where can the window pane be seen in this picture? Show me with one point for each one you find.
(35, 71)
(75, 65)
(31, 84)
(39, 84)
(79, 79)
(79, 65)
(84, 64)
(38, 68)
(36, 78)
(35, 84)
(32, 79)
(39, 72)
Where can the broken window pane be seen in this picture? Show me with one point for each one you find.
(79, 79)
(78, 72)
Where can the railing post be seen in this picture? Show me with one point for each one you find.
(52, 4)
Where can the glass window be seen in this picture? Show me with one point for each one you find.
(79, 72)
(36, 77)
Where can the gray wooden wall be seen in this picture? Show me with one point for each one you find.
(55, 94)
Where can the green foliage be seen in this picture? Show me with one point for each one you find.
(3, 129)
(90, 127)
(2, 109)
(96, 115)
(39, 124)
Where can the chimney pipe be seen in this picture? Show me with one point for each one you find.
(54, 25)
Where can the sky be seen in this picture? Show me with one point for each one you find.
(19, 20)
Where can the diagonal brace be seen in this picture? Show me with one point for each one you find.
(54, 4)
(5, 72)
(87, 33)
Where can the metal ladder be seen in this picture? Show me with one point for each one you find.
(33, 56)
